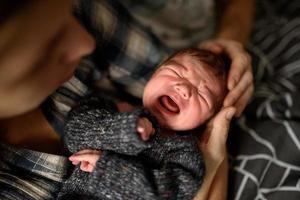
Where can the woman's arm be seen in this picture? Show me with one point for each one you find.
(214, 186)
(132, 56)
(237, 21)
(213, 147)
(218, 189)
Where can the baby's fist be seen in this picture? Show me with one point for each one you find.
(87, 159)
(145, 128)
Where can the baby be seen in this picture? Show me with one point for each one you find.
(148, 153)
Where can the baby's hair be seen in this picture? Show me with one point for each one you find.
(216, 64)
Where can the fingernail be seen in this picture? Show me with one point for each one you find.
(230, 114)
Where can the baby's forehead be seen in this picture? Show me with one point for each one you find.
(189, 62)
(208, 61)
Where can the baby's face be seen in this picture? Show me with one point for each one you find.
(183, 93)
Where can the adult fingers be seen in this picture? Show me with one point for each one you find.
(240, 59)
(242, 102)
(214, 147)
(217, 128)
(220, 126)
(235, 94)
(241, 63)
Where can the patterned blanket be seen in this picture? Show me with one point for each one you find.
(264, 143)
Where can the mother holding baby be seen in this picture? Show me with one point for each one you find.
(54, 53)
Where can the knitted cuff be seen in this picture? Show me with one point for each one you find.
(122, 135)
(90, 126)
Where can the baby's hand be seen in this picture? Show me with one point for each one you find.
(145, 128)
(87, 159)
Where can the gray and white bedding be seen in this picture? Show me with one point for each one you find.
(264, 144)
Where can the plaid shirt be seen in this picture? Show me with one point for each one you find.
(126, 52)
(26, 174)
(265, 153)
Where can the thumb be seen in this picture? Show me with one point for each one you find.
(220, 125)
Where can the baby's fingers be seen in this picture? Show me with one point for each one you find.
(75, 162)
(145, 129)
(86, 166)
(85, 157)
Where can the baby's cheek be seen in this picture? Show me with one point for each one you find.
(181, 123)
(195, 118)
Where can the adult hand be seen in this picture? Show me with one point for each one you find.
(213, 147)
(213, 140)
(240, 77)
(145, 128)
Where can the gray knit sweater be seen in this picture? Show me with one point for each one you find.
(129, 168)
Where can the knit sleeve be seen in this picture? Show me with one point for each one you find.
(95, 124)
(179, 166)
(179, 151)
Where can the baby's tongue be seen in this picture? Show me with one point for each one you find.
(169, 104)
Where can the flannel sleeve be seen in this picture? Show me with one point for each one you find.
(126, 53)
(126, 49)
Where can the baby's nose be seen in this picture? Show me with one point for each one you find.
(184, 90)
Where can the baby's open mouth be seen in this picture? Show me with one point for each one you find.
(167, 103)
